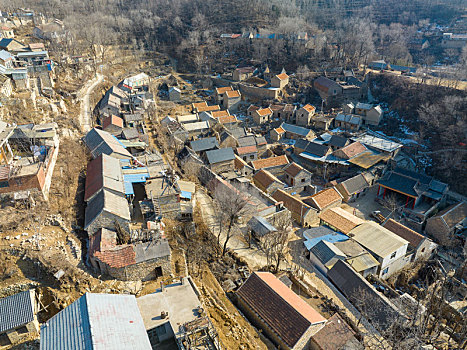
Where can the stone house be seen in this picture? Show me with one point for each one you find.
(175, 94)
(274, 308)
(280, 81)
(352, 188)
(267, 182)
(18, 317)
(335, 335)
(165, 194)
(243, 73)
(251, 109)
(262, 115)
(295, 132)
(322, 122)
(301, 212)
(129, 262)
(231, 99)
(371, 115)
(219, 94)
(106, 210)
(6, 87)
(325, 199)
(272, 164)
(448, 222)
(420, 246)
(220, 160)
(260, 227)
(247, 153)
(304, 115)
(277, 134)
(113, 125)
(327, 88)
(103, 173)
(242, 168)
(99, 142)
(348, 122)
(7, 32)
(297, 177)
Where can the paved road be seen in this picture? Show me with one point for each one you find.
(85, 114)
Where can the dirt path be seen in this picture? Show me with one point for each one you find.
(84, 93)
(256, 259)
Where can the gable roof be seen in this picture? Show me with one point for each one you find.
(99, 141)
(351, 150)
(378, 143)
(246, 141)
(218, 114)
(264, 111)
(295, 205)
(221, 90)
(317, 149)
(326, 252)
(278, 306)
(309, 108)
(414, 238)
(325, 83)
(112, 120)
(293, 169)
(335, 335)
(265, 178)
(338, 141)
(17, 310)
(294, 129)
(204, 144)
(227, 119)
(341, 219)
(220, 155)
(97, 321)
(261, 226)
(270, 162)
(355, 184)
(232, 94)
(454, 214)
(282, 76)
(103, 172)
(106, 201)
(246, 150)
(325, 198)
(377, 239)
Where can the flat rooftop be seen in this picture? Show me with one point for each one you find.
(179, 300)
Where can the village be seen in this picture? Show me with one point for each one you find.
(144, 208)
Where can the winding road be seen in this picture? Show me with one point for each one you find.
(85, 119)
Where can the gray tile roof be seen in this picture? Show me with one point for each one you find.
(150, 250)
(99, 141)
(15, 311)
(130, 133)
(317, 149)
(204, 144)
(246, 141)
(326, 251)
(355, 184)
(220, 155)
(295, 129)
(108, 202)
(337, 141)
(97, 321)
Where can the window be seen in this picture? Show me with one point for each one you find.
(303, 180)
(393, 255)
(385, 271)
(252, 156)
(22, 330)
(3, 184)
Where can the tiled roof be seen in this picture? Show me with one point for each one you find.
(99, 141)
(108, 202)
(208, 108)
(227, 119)
(337, 141)
(282, 76)
(279, 130)
(355, 184)
(292, 203)
(264, 111)
(232, 94)
(352, 150)
(103, 172)
(220, 155)
(197, 105)
(118, 257)
(326, 197)
(246, 150)
(335, 334)
(265, 178)
(454, 214)
(270, 162)
(404, 232)
(341, 219)
(317, 149)
(253, 108)
(112, 120)
(16, 310)
(294, 129)
(221, 90)
(293, 169)
(204, 144)
(278, 306)
(218, 114)
(309, 108)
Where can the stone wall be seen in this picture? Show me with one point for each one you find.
(257, 93)
(108, 221)
(143, 271)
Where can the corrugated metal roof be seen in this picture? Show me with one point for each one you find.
(16, 310)
(97, 322)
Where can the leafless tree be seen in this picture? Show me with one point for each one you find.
(275, 243)
(232, 205)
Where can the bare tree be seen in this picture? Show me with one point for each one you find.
(275, 243)
(232, 205)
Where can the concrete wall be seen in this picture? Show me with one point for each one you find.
(395, 264)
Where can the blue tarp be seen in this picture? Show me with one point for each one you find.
(130, 179)
(331, 238)
(185, 194)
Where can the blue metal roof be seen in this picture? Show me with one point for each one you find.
(185, 194)
(16, 310)
(322, 233)
(97, 322)
(130, 179)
